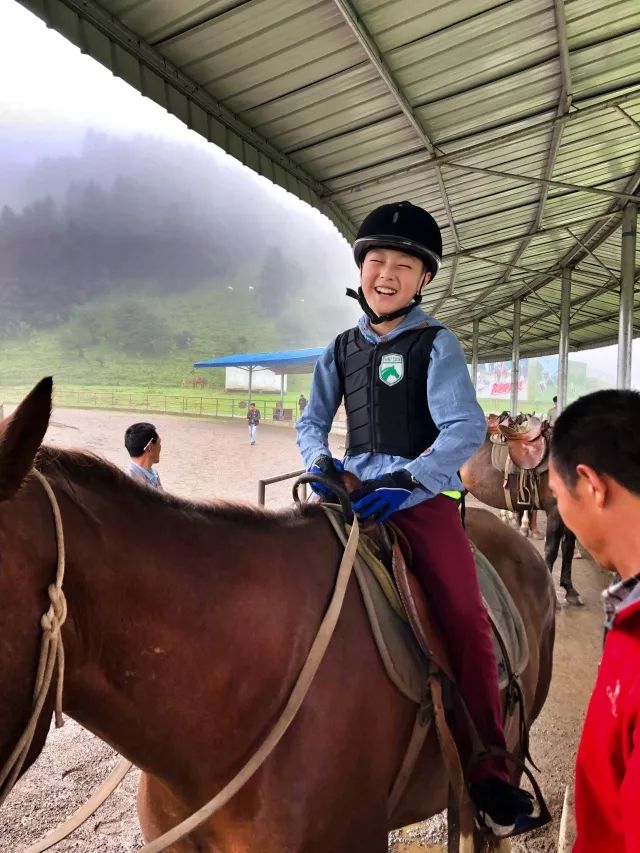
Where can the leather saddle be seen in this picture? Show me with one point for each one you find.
(525, 436)
(391, 547)
(392, 550)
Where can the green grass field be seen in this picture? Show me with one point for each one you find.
(196, 325)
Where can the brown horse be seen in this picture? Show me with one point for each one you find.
(485, 483)
(187, 626)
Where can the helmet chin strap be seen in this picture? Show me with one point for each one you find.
(383, 318)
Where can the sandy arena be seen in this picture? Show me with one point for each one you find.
(207, 459)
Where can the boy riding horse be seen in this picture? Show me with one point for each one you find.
(412, 421)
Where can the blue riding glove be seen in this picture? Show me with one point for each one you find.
(377, 499)
(330, 467)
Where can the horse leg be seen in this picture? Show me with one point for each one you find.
(159, 809)
(524, 524)
(568, 548)
(535, 533)
(555, 530)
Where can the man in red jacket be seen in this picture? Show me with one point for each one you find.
(595, 475)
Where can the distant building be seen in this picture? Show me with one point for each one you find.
(237, 379)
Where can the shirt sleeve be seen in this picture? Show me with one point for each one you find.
(315, 422)
(455, 411)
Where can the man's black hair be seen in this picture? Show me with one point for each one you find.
(555, 399)
(138, 436)
(600, 430)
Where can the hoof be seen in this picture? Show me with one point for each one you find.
(523, 532)
(537, 535)
(573, 598)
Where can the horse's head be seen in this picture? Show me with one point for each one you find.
(27, 566)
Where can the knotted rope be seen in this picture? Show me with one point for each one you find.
(51, 657)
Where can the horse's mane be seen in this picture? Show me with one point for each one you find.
(72, 468)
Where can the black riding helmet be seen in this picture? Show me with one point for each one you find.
(404, 227)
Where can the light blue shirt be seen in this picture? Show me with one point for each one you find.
(452, 404)
(148, 476)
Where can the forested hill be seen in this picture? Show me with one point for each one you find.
(148, 219)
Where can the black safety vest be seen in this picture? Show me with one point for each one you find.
(384, 386)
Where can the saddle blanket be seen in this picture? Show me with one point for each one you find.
(404, 661)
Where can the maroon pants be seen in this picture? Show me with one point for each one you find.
(445, 566)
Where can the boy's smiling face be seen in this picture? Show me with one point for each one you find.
(390, 279)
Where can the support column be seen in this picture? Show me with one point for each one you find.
(282, 390)
(563, 347)
(474, 352)
(515, 358)
(250, 385)
(625, 316)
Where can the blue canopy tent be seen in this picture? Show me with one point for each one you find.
(288, 361)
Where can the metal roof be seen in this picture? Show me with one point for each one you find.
(515, 122)
(287, 361)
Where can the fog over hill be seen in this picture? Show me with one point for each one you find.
(108, 215)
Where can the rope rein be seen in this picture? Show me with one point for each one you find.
(51, 662)
(300, 690)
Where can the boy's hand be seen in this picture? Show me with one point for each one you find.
(377, 499)
(330, 467)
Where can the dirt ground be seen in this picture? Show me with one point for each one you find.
(206, 459)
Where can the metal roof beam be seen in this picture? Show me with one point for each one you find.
(598, 292)
(576, 346)
(554, 146)
(564, 105)
(549, 229)
(629, 118)
(519, 267)
(547, 181)
(377, 60)
(206, 19)
(505, 264)
(603, 318)
(479, 147)
(592, 254)
(578, 304)
(563, 52)
(602, 228)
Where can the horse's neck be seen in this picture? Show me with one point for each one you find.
(158, 633)
(140, 596)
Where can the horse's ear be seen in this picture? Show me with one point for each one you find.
(21, 435)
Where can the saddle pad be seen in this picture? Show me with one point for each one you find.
(500, 454)
(404, 661)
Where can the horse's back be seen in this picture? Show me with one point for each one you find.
(515, 559)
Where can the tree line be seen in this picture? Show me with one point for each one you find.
(142, 216)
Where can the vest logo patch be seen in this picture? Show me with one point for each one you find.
(391, 368)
